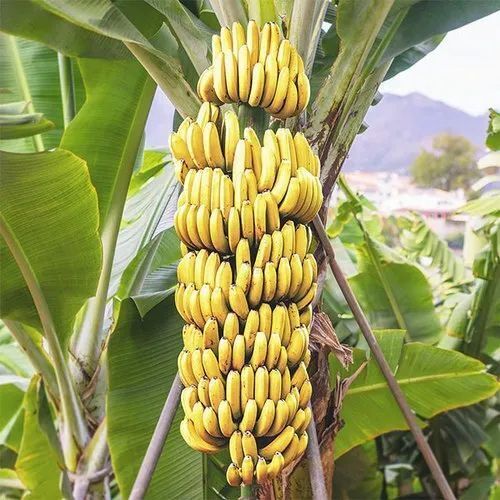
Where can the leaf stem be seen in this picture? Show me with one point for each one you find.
(67, 85)
(25, 89)
(37, 356)
(71, 406)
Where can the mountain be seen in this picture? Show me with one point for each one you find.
(399, 126)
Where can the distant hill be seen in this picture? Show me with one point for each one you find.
(399, 126)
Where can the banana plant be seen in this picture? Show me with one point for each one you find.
(87, 246)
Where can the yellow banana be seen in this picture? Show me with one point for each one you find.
(288, 232)
(281, 91)
(264, 251)
(306, 316)
(293, 63)
(308, 297)
(261, 385)
(255, 147)
(301, 241)
(218, 237)
(290, 104)
(225, 355)
(231, 327)
(219, 77)
(233, 475)
(257, 87)
(292, 404)
(193, 439)
(216, 46)
(296, 346)
(272, 213)
(216, 392)
(299, 419)
(224, 278)
(291, 198)
(242, 253)
(276, 247)
(197, 419)
(284, 279)
(197, 364)
(238, 359)
(296, 275)
(270, 282)
(284, 53)
(185, 368)
(226, 422)
(179, 301)
(247, 221)
(247, 387)
(275, 385)
(305, 394)
(256, 287)
(282, 361)
(304, 92)
(290, 452)
(249, 445)
(259, 212)
(275, 466)
(271, 141)
(211, 335)
(286, 381)
(238, 301)
(300, 376)
(279, 443)
(211, 266)
(271, 81)
(280, 419)
(205, 87)
(179, 149)
(197, 273)
(247, 470)
(251, 182)
(265, 38)
(303, 440)
(244, 74)
(253, 35)
(273, 351)
(294, 315)
(265, 319)
(278, 319)
(266, 418)
(282, 181)
(258, 357)
(250, 331)
(212, 146)
(261, 470)
(226, 196)
(236, 448)
(210, 364)
(233, 229)
(268, 170)
(219, 307)
(231, 74)
(249, 415)
(238, 37)
(274, 41)
(189, 396)
(211, 422)
(233, 392)
(226, 38)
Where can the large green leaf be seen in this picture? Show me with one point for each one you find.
(38, 65)
(35, 23)
(48, 211)
(434, 380)
(428, 18)
(38, 464)
(108, 129)
(142, 359)
(395, 294)
(12, 390)
(153, 189)
(158, 53)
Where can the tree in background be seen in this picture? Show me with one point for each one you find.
(450, 165)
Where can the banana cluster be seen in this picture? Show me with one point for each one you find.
(246, 280)
(257, 67)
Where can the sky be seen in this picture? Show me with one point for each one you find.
(463, 71)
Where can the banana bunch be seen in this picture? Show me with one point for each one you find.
(247, 279)
(257, 67)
